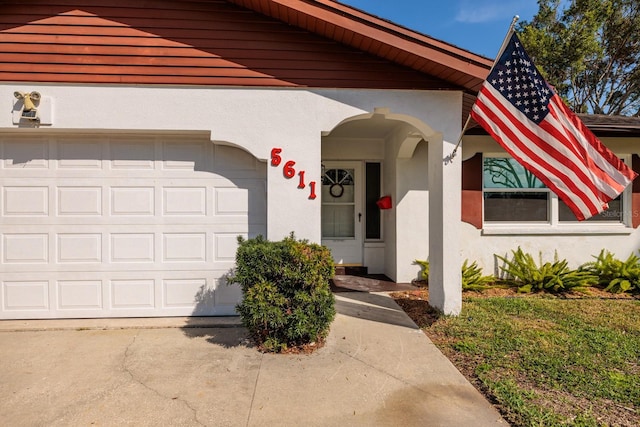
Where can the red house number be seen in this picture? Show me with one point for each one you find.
(289, 171)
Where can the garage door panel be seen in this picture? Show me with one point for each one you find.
(25, 248)
(79, 248)
(79, 154)
(226, 245)
(79, 201)
(184, 247)
(185, 156)
(25, 154)
(133, 293)
(25, 200)
(184, 292)
(132, 247)
(25, 295)
(132, 201)
(184, 201)
(132, 155)
(79, 294)
(99, 227)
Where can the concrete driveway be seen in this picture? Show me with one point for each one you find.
(377, 369)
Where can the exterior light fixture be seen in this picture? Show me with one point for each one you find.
(30, 101)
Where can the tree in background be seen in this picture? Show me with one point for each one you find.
(590, 51)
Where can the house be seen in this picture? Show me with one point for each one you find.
(498, 217)
(142, 140)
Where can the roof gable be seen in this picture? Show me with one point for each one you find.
(215, 42)
(383, 38)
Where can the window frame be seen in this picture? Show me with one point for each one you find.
(553, 225)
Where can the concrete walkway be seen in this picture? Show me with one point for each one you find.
(377, 369)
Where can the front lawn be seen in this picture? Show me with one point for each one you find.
(543, 360)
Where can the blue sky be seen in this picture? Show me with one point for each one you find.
(475, 25)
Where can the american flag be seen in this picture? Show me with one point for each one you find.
(531, 122)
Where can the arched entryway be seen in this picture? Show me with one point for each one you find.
(380, 154)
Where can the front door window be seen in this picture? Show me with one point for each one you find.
(338, 204)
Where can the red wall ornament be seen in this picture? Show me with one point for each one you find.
(384, 202)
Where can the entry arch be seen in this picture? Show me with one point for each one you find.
(415, 171)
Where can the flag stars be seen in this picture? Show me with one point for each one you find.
(517, 80)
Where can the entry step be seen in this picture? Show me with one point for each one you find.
(351, 270)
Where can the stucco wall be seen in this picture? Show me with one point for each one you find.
(412, 204)
(254, 119)
(575, 248)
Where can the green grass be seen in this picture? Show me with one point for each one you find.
(549, 361)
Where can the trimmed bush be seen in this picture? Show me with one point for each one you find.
(287, 301)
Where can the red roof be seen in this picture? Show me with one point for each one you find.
(380, 37)
(313, 43)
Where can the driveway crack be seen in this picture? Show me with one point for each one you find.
(255, 388)
(125, 367)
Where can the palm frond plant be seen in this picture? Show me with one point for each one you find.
(472, 278)
(523, 272)
(615, 275)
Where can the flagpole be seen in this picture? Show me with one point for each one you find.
(502, 48)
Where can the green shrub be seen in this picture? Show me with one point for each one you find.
(555, 277)
(424, 269)
(615, 275)
(287, 301)
(472, 278)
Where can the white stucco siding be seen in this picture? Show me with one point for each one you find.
(412, 194)
(575, 248)
(256, 120)
(441, 110)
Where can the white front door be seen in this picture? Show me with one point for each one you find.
(342, 215)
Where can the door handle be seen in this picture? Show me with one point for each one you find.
(359, 217)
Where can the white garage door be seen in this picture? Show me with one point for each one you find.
(123, 226)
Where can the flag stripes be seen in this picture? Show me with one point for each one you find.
(530, 121)
(506, 125)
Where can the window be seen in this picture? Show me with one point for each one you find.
(373, 191)
(512, 194)
(338, 204)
